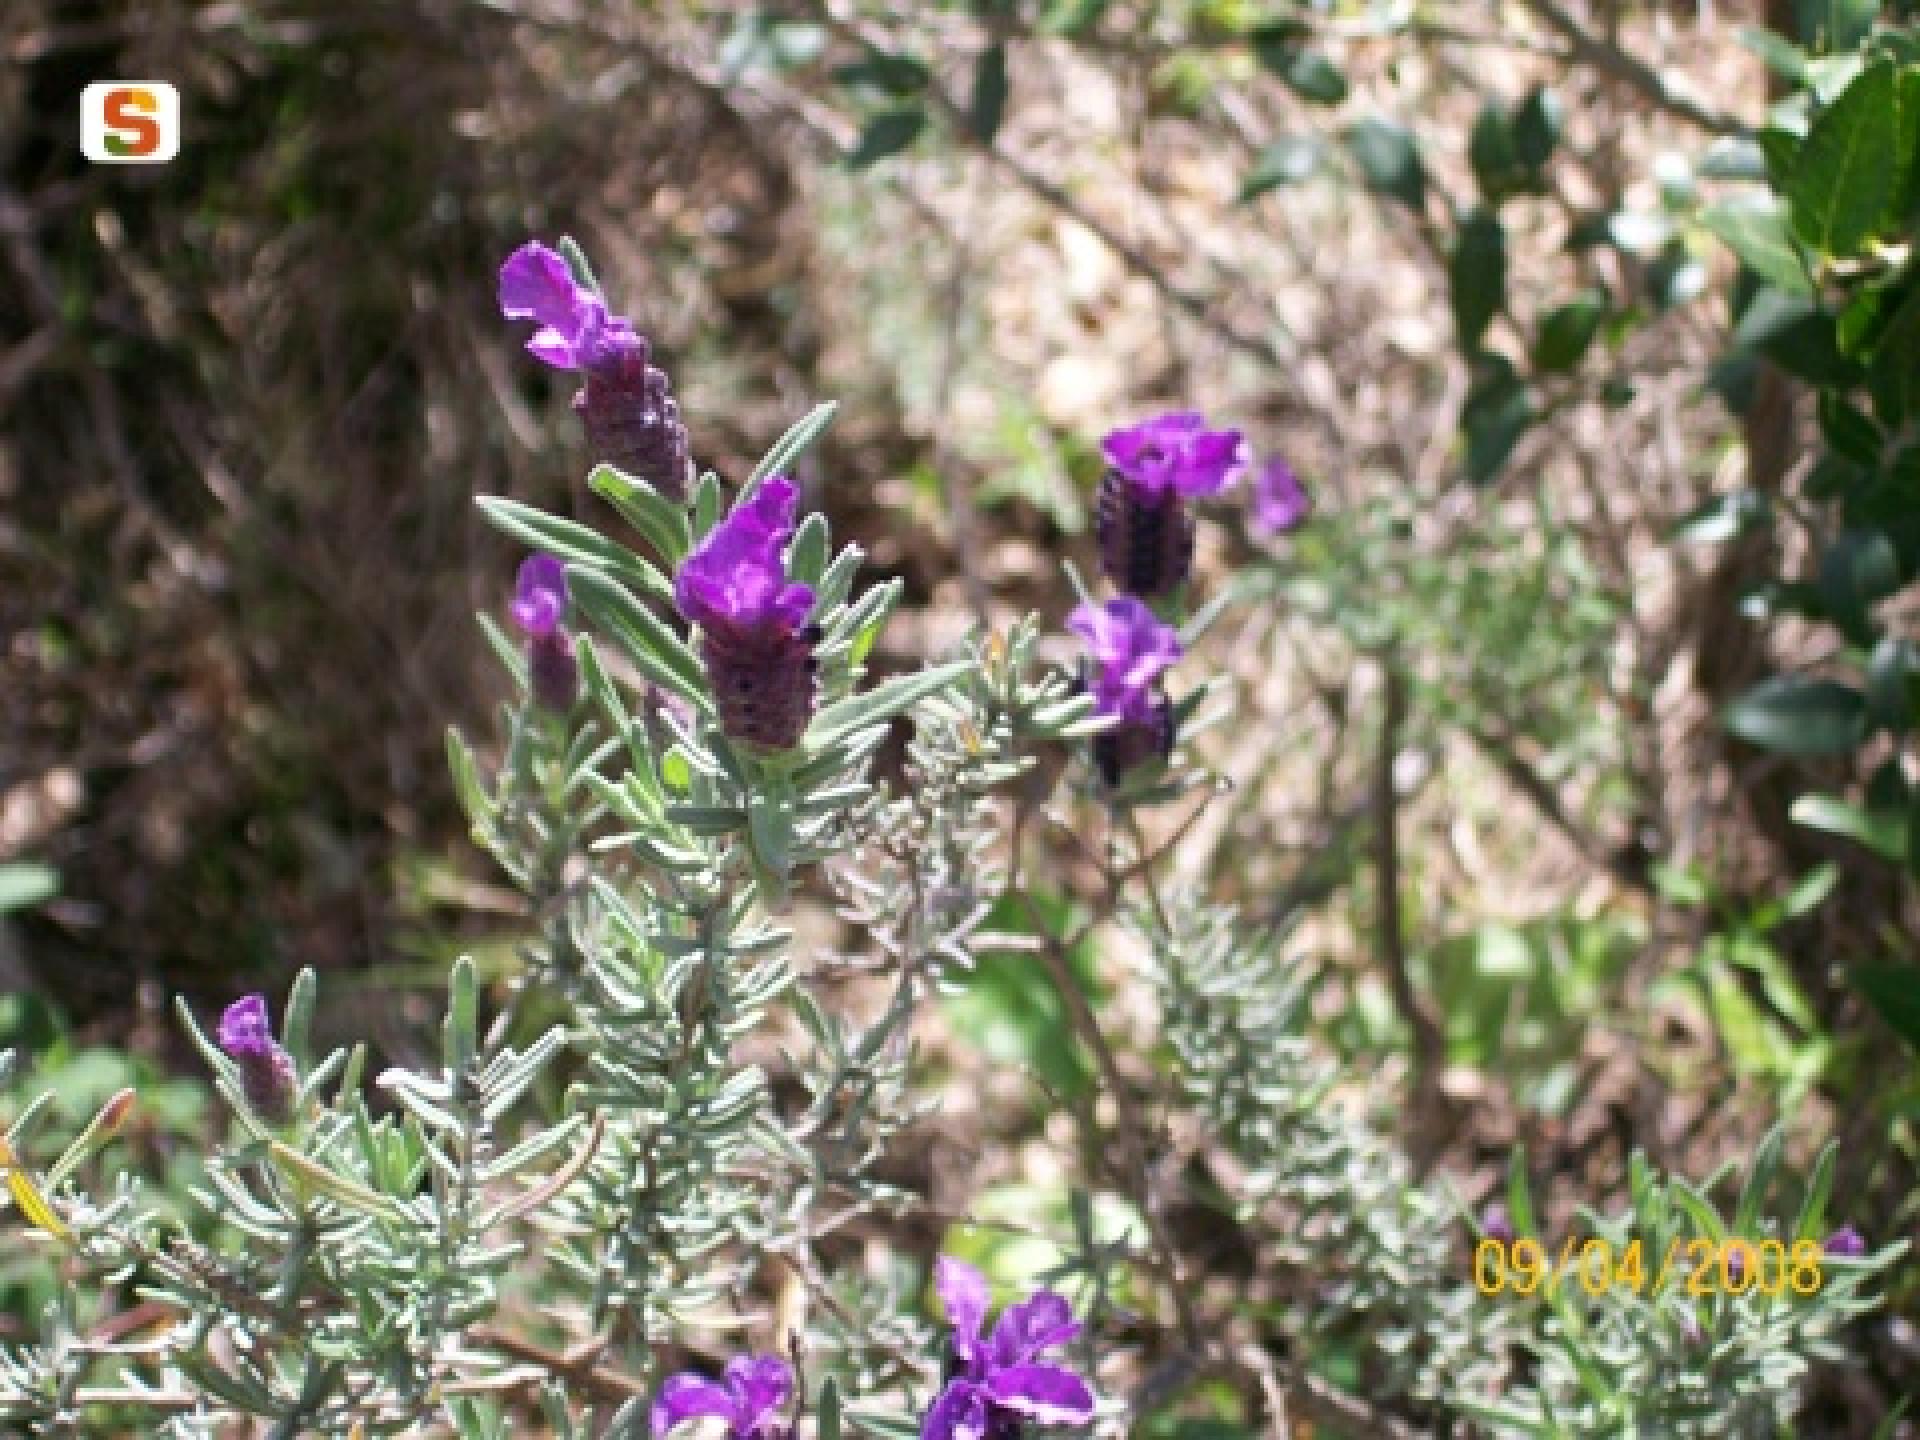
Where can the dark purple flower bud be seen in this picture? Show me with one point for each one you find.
(553, 672)
(1130, 648)
(997, 1384)
(1280, 502)
(1846, 1243)
(633, 422)
(267, 1081)
(1496, 1224)
(1118, 752)
(755, 1390)
(626, 404)
(1146, 544)
(1141, 516)
(754, 637)
(539, 607)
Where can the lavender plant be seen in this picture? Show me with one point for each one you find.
(670, 1113)
(1722, 1359)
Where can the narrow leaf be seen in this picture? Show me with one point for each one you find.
(882, 702)
(662, 521)
(789, 447)
(27, 1195)
(570, 540)
(661, 654)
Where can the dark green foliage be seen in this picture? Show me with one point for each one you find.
(1893, 988)
(887, 133)
(1567, 331)
(1498, 412)
(1388, 158)
(1288, 160)
(1283, 49)
(1842, 185)
(989, 104)
(1477, 276)
(1800, 717)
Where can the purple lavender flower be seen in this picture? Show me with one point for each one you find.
(267, 1081)
(996, 1384)
(1280, 502)
(626, 405)
(1496, 1224)
(756, 1389)
(1846, 1243)
(1153, 469)
(539, 605)
(1130, 649)
(754, 636)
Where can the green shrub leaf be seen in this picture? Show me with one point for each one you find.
(1797, 716)
(887, 133)
(989, 104)
(1843, 179)
(1287, 161)
(1477, 277)
(1756, 231)
(1568, 331)
(1308, 73)
(1389, 161)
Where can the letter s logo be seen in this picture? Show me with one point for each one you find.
(130, 122)
(132, 109)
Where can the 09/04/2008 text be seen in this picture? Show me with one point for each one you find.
(1699, 1266)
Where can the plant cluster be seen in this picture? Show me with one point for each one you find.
(665, 1125)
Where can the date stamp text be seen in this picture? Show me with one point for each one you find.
(1700, 1267)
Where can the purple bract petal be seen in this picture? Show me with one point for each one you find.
(736, 582)
(999, 1386)
(960, 1413)
(1132, 648)
(576, 332)
(552, 347)
(246, 1032)
(1044, 1394)
(963, 1290)
(535, 284)
(1497, 1224)
(1280, 501)
(1033, 1327)
(1846, 1243)
(1176, 453)
(689, 1396)
(760, 1386)
(540, 595)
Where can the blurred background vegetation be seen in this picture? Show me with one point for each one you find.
(1454, 262)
